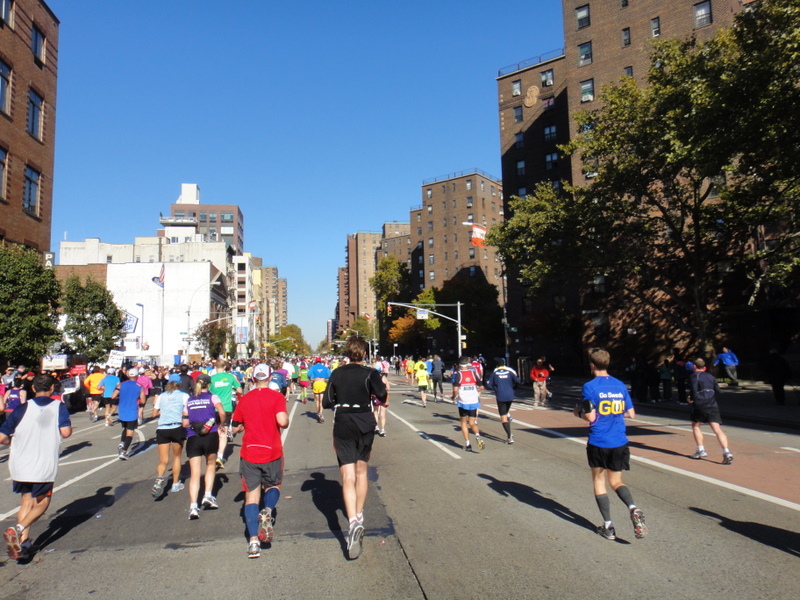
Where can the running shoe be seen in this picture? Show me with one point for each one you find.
(468, 448)
(424, 405)
(26, 550)
(123, 455)
(209, 502)
(109, 423)
(254, 549)
(265, 526)
(158, 486)
(607, 532)
(639, 525)
(320, 418)
(140, 421)
(510, 439)
(354, 540)
(377, 429)
(194, 514)
(480, 442)
(220, 463)
(94, 418)
(382, 433)
(699, 454)
(230, 434)
(176, 487)
(11, 536)
(727, 458)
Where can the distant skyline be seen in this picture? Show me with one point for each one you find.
(319, 119)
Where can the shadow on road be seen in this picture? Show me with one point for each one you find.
(73, 514)
(780, 539)
(532, 497)
(326, 494)
(74, 448)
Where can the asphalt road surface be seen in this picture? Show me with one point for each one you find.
(512, 521)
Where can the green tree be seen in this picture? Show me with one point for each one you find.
(94, 323)
(295, 343)
(211, 337)
(686, 186)
(391, 283)
(29, 296)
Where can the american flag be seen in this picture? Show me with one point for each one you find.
(159, 281)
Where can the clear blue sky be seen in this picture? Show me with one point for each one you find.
(318, 118)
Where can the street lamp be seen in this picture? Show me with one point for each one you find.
(141, 338)
(189, 338)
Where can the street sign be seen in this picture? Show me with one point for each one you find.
(463, 336)
(422, 313)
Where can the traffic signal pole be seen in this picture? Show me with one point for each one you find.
(457, 320)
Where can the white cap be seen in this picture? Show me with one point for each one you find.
(261, 371)
(111, 370)
(133, 373)
(141, 370)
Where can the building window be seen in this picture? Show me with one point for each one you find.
(430, 225)
(444, 239)
(516, 87)
(455, 238)
(547, 78)
(472, 271)
(551, 161)
(455, 254)
(472, 252)
(469, 184)
(599, 284)
(483, 185)
(550, 133)
(626, 37)
(419, 230)
(109, 258)
(494, 192)
(431, 259)
(470, 217)
(226, 217)
(702, 14)
(432, 275)
(522, 192)
(37, 43)
(30, 200)
(519, 140)
(629, 71)
(429, 193)
(419, 259)
(430, 242)
(517, 114)
(582, 16)
(548, 103)
(5, 87)
(587, 90)
(35, 105)
(3, 157)
(7, 12)
(520, 167)
(469, 201)
(655, 26)
(585, 54)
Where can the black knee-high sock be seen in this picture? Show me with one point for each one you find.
(507, 427)
(604, 505)
(126, 441)
(625, 495)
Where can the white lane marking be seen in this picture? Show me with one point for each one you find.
(75, 462)
(723, 484)
(790, 449)
(286, 431)
(423, 435)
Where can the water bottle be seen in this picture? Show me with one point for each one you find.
(208, 425)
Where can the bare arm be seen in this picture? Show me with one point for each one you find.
(65, 431)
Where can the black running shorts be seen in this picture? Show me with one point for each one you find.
(266, 475)
(706, 415)
(173, 435)
(353, 434)
(468, 412)
(202, 445)
(503, 408)
(613, 459)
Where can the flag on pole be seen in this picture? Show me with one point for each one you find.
(478, 235)
(159, 281)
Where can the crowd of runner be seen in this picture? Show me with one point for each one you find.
(200, 408)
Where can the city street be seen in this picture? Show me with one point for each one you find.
(512, 521)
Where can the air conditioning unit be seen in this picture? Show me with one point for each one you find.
(548, 82)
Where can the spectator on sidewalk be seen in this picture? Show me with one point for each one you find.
(665, 374)
(729, 362)
(778, 371)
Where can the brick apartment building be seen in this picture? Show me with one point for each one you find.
(219, 222)
(604, 40)
(28, 76)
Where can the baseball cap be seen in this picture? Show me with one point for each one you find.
(110, 371)
(133, 373)
(261, 371)
(141, 370)
(174, 378)
(203, 378)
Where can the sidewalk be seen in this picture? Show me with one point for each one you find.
(751, 402)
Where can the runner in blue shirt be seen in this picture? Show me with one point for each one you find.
(606, 403)
(504, 381)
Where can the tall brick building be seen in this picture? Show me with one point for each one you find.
(28, 76)
(604, 40)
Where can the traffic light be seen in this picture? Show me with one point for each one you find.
(389, 310)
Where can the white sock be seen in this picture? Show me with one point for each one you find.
(608, 524)
(701, 449)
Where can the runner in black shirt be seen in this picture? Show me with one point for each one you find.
(351, 392)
